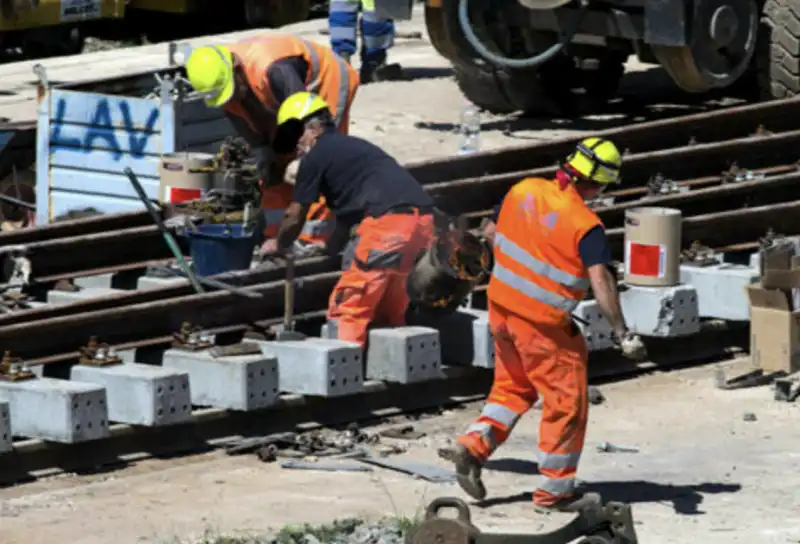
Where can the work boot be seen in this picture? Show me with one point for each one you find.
(374, 72)
(571, 504)
(468, 470)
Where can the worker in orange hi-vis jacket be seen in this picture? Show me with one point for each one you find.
(549, 247)
(249, 80)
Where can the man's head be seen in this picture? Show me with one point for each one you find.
(302, 118)
(593, 166)
(214, 74)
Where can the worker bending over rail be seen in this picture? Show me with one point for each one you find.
(549, 247)
(366, 187)
(249, 80)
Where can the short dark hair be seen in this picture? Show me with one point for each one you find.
(323, 119)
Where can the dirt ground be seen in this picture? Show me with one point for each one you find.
(703, 474)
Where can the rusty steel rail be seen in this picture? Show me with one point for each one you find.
(80, 254)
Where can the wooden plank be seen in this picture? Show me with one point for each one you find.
(99, 160)
(99, 183)
(205, 133)
(101, 110)
(115, 140)
(63, 202)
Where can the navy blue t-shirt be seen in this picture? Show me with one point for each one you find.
(356, 178)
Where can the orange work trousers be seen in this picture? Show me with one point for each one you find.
(373, 288)
(531, 361)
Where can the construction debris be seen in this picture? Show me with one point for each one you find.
(608, 447)
(787, 388)
(749, 416)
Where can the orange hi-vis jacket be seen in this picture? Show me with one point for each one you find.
(320, 221)
(328, 76)
(538, 272)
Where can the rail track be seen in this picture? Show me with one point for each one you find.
(732, 173)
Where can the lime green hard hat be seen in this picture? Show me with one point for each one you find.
(597, 160)
(210, 71)
(300, 106)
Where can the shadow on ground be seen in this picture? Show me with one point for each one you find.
(644, 96)
(685, 499)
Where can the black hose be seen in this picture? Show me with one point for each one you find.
(507, 62)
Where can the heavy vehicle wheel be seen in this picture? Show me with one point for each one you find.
(582, 85)
(723, 36)
(499, 91)
(777, 62)
(276, 13)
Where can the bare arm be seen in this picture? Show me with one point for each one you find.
(605, 292)
(293, 220)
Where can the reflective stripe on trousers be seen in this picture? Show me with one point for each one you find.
(318, 227)
(507, 419)
(377, 33)
(527, 287)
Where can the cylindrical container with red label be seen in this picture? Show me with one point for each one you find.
(652, 246)
(185, 176)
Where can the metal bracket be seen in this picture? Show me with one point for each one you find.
(14, 369)
(98, 354)
(611, 523)
(191, 338)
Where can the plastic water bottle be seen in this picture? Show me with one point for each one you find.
(469, 130)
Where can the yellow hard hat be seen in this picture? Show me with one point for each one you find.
(300, 106)
(210, 71)
(597, 160)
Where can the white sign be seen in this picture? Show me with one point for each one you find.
(79, 10)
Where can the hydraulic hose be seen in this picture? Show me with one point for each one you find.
(506, 62)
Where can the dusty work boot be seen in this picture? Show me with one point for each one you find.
(374, 72)
(572, 504)
(468, 470)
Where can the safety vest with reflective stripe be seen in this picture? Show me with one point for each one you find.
(320, 221)
(538, 273)
(328, 75)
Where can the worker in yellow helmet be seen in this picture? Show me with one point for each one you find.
(549, 247)
(364, 186)
(249, 80)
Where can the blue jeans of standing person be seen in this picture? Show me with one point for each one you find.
(377, 34)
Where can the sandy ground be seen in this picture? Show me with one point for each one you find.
(703, 474)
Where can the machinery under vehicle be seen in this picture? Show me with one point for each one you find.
(548, 56)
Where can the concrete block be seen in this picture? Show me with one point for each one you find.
(318, 366)
(661, 311)
(5, 428)
(61, 298)
(404, 354)
(149, 282)
(102, 281)
(464, 336)
(141, 394)
(246, 382)
(598, 331)
(721, 289)
(57, 410)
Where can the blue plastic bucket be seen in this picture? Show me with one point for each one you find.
(216, 249)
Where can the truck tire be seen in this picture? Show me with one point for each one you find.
(778, 54)
(499, 91)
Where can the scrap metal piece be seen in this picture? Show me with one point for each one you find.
(424, 471)
(234, 350)
(610, 523)
(754, 378)
(328, 466)
(191, 338)
(249, 445)
(608, 447)
(787, 388)
(14, 369)
(98, 354)
(405, 432)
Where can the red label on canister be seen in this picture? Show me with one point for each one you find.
(646, 260)
(176, 195)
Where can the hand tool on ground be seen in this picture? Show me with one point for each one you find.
(214, 284)
(611, 523)
(168, 238)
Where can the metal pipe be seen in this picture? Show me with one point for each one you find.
(214, 284)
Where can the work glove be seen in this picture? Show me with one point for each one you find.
(632, 346)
